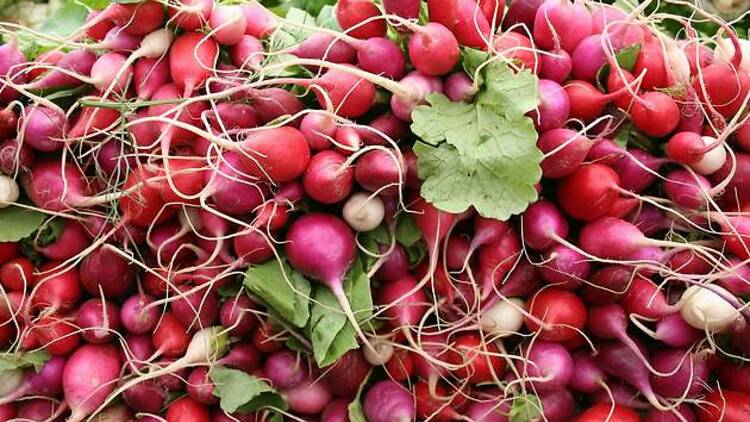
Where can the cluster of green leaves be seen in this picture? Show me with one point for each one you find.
(481, 154)
(35, 359)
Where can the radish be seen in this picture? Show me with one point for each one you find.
(200, 387)
(77, 62)
(70, 242)
(724, 405)
(46, 382)
(264, 156)
(407, 304)
(496, 259)
(561, 24)
(606, 412)
(521, 13)
(518, 48)
(564, 267)
(656, 114)
(328, 178)
(587, 58)
(227, 24)
(387, 401)
(587, 376)
(352, 13)
(98, 320)
(191, 60)
(55, 289)
(687, 373)
(89, 377)
(326, 46)
(195, 309)
(190, 15)
(620, 361)
(589, 192)
(326, 263)
(556, 66)
(105, 272)
(260, 21)
(186, 409)
(307, 398)
(336, 411)
(564, 151)
(503, 319)
(363, 212)
(459, 87)
(380, 171)
(380, 56)
(395, 265)
(547, 366)
(706, 308)
(561, 311)
(135, 18)
(408, 9)
(554, 106)
(423, 85)
(43, 128)
(318, 129)
(684, 412)
(651, 63)
(721, 86)
(347, 374)
(477, 361)
(543, 225)
(247, 53)
(687, 190)
(9, 191)
(150, 74)
(136, 316)
(433, 49)
(588, 103)
(284, 369)
(242, 356)
(631, 172)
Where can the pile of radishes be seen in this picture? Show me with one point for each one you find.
(213, 213)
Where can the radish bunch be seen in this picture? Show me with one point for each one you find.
(436, 210)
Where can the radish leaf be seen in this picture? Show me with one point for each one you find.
(17, 223)
(238, 390)
(282, 289)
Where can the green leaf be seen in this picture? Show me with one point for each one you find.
(331, 333)
(238, 390)
(302, 17)
(66, 19)
(481, 154)
(407, 231)
(282, 289)
(356, 413)
(525, 408)
(327, 18)
(623, 135)
(472, 59)
(626, 59)
(17, 223)
(416, 253)
(96, 4)
(35, 359)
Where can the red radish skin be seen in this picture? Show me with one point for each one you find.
(496, 259)
(650, 61)
(381, 56)
(55, 289)
(149, 75)
(404, 310)
(137, 18)
(564, 267)
(346, 375)
(433, 49)
(247, 53)
(388, 401)
(351, 13)
(70, 242)
(98, 320)
(543, 224)
(725, 405)
(478, 361)
(191, 60)
(308, 398)
(170, 337)
(227, 24)
(549, 366)
(562, 312)
(688, 373)
(565, 151)
(187, 410)
(264, 157)
(518, 48)
(327, 178)
(136, 316)
(554, 106)
(561, 22)
(106, 272)
(235, 314)
(76, 62)
(587, 376)
(190, 15)
(589, 192)
(588, 57)
(656, 114)
(605, 412)
(90, 375)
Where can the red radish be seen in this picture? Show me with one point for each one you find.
(98, 320)
(242, 356)
(587, 376)
(149, 75)
(564, 267)
(247, 53)
(200, 387)
(543, 224)
(402, 106)
(380, 56)
(271, 103)
(518, 48)
(388, 401)
(187, 410)
(325, 46)
(227, 24)
(142, 206)
(562, 312)
(380, 171)
(587, 58)
(195, 310)
(328, 179)
(554, 106)
(347, 374)
(191, 60)
(606, 412)
(231, 191)
(264, 156)
(561, 24)
(589, 192)
(308, 398)
(496, 259)
(478, 361)
(170, 337)
(459, 87)
(656, 114)
(335, 411)
(89, 377)
(564, 151)
(521, 14)
(556, 66)
(687, 190)
(16, 273)
(549, 366)
(396, 264)
(235, 314)
(190, 15)
(457, 249)
(327, 263)
(76, 61)
(147, 396)
(650, 61)
(260, 21)
(319, 129)
(619, 360)
(435, 405)
(284, 369)
(58, 290)
(687, 373)
(404, 310)
(70, 242)
(11, 69)
(352, 13)
(433, 49)
(136, 316)
(43, 128)
(471, 25)
(106, 272)
(587, 102)
(98, 30)
(631, 172)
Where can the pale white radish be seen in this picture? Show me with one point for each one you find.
(712, 160)
(704, 309)
(8, 191)
(724, 52)
(363, 212)
(504, 318)
(380, 352)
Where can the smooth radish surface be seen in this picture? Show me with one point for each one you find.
(387, 401)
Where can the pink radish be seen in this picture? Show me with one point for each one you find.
(227, 24)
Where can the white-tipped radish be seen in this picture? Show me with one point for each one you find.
(380, 353)
(676, 61)
(724, 52)
(8, 191)
(504, 318)
(156, 44)
(363, 212)
(704, 309)
(10, 380)
(206, 345)
(712, 160)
